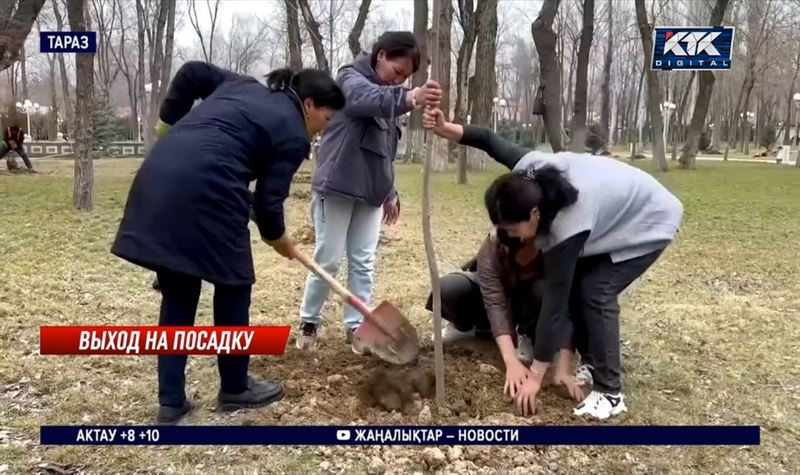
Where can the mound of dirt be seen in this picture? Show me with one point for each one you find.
(396, 390)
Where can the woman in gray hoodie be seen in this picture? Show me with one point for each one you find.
(353, 183)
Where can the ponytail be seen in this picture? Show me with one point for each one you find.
(511, 197)
(315, 84)
(280, 79)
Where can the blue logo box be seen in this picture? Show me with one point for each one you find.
(68, 42)
(692, 48)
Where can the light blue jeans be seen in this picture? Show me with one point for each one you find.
(342, 225)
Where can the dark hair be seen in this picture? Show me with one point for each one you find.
(511, 197)
(315, 84)
(397, 44)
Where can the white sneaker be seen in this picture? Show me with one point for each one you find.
(584, 375)
(601, 405)
(525, 349)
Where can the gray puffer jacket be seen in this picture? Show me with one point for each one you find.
(357, 150)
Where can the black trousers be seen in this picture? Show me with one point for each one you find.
(594, 311)
(20, 151)
(462, 304)
(180, 294)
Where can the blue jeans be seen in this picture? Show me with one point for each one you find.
(342, 224)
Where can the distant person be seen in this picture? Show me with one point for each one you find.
(600, 225)
(353, 183)
(13, 138)
(188, 210)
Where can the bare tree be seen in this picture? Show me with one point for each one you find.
(466, 16)
(787, 121)
(653, 91)
(605, 90)
(415, 142)
(316, 37)
(295, 38)
(16, 22)
(483, 85)
(442, 32)
(246, 44)
(84, 98)
(545, 39)
(107, 66)
(62, 66)
(578, 126)
(354, 38)
(704, 94)
(207, 45)
(128, 69)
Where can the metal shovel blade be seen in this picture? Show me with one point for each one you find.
(389, 335)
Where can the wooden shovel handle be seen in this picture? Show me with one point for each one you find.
(337, 287)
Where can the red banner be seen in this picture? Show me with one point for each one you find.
(158, 340)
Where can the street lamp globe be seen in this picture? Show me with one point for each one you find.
(19, 105)
(36, 106)
(503, 103)
(496, 100)
(796, 97)
(27, 103)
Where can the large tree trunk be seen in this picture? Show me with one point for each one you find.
(467, 14)
(415, 148)
(295, 39)
(653, 91)
(442, 32)
(354, 38)
(578, 126)
(485, 79)
(156, 65)
(545, 39)
(84, 97)
(316, 38)
(15, 29)
(605, 90)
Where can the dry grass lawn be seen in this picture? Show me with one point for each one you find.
(711, 336)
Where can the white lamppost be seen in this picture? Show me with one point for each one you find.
(796, 99)
(469, 118)
(139, 127)
(666, 110)
(495, 100)
(27, 107)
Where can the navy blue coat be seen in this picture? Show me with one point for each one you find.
(189, 205)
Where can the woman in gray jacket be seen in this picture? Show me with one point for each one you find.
(353, 183)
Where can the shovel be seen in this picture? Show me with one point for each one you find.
(385, 331)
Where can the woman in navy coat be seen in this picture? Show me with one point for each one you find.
(188, 210)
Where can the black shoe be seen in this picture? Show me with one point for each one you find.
(170, 415)
(258, 393)
(307, 339)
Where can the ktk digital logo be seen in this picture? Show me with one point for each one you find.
(692, 48)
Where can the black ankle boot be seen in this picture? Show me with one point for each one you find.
(258, 393)
(170, 415)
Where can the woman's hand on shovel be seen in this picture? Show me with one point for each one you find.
(284, 246)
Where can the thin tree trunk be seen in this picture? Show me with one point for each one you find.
(467, 15)
(295, 38)
(578, 126)
(787, 122)
(147, 132)
(316, 38)
(65, 86)
(414, 151)
(354, 38)
(653, 91)
(681, 111)
(54, 111)
(605, 90)
(169, 46)
(84, 97)
(442, 33)
(545, 40)
(23, 70)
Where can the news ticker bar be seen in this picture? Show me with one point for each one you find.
(400, 435)
(159, 340)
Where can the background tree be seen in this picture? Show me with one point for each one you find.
(653, 91)
(578, 126)
(84, 125)
(545, 39)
